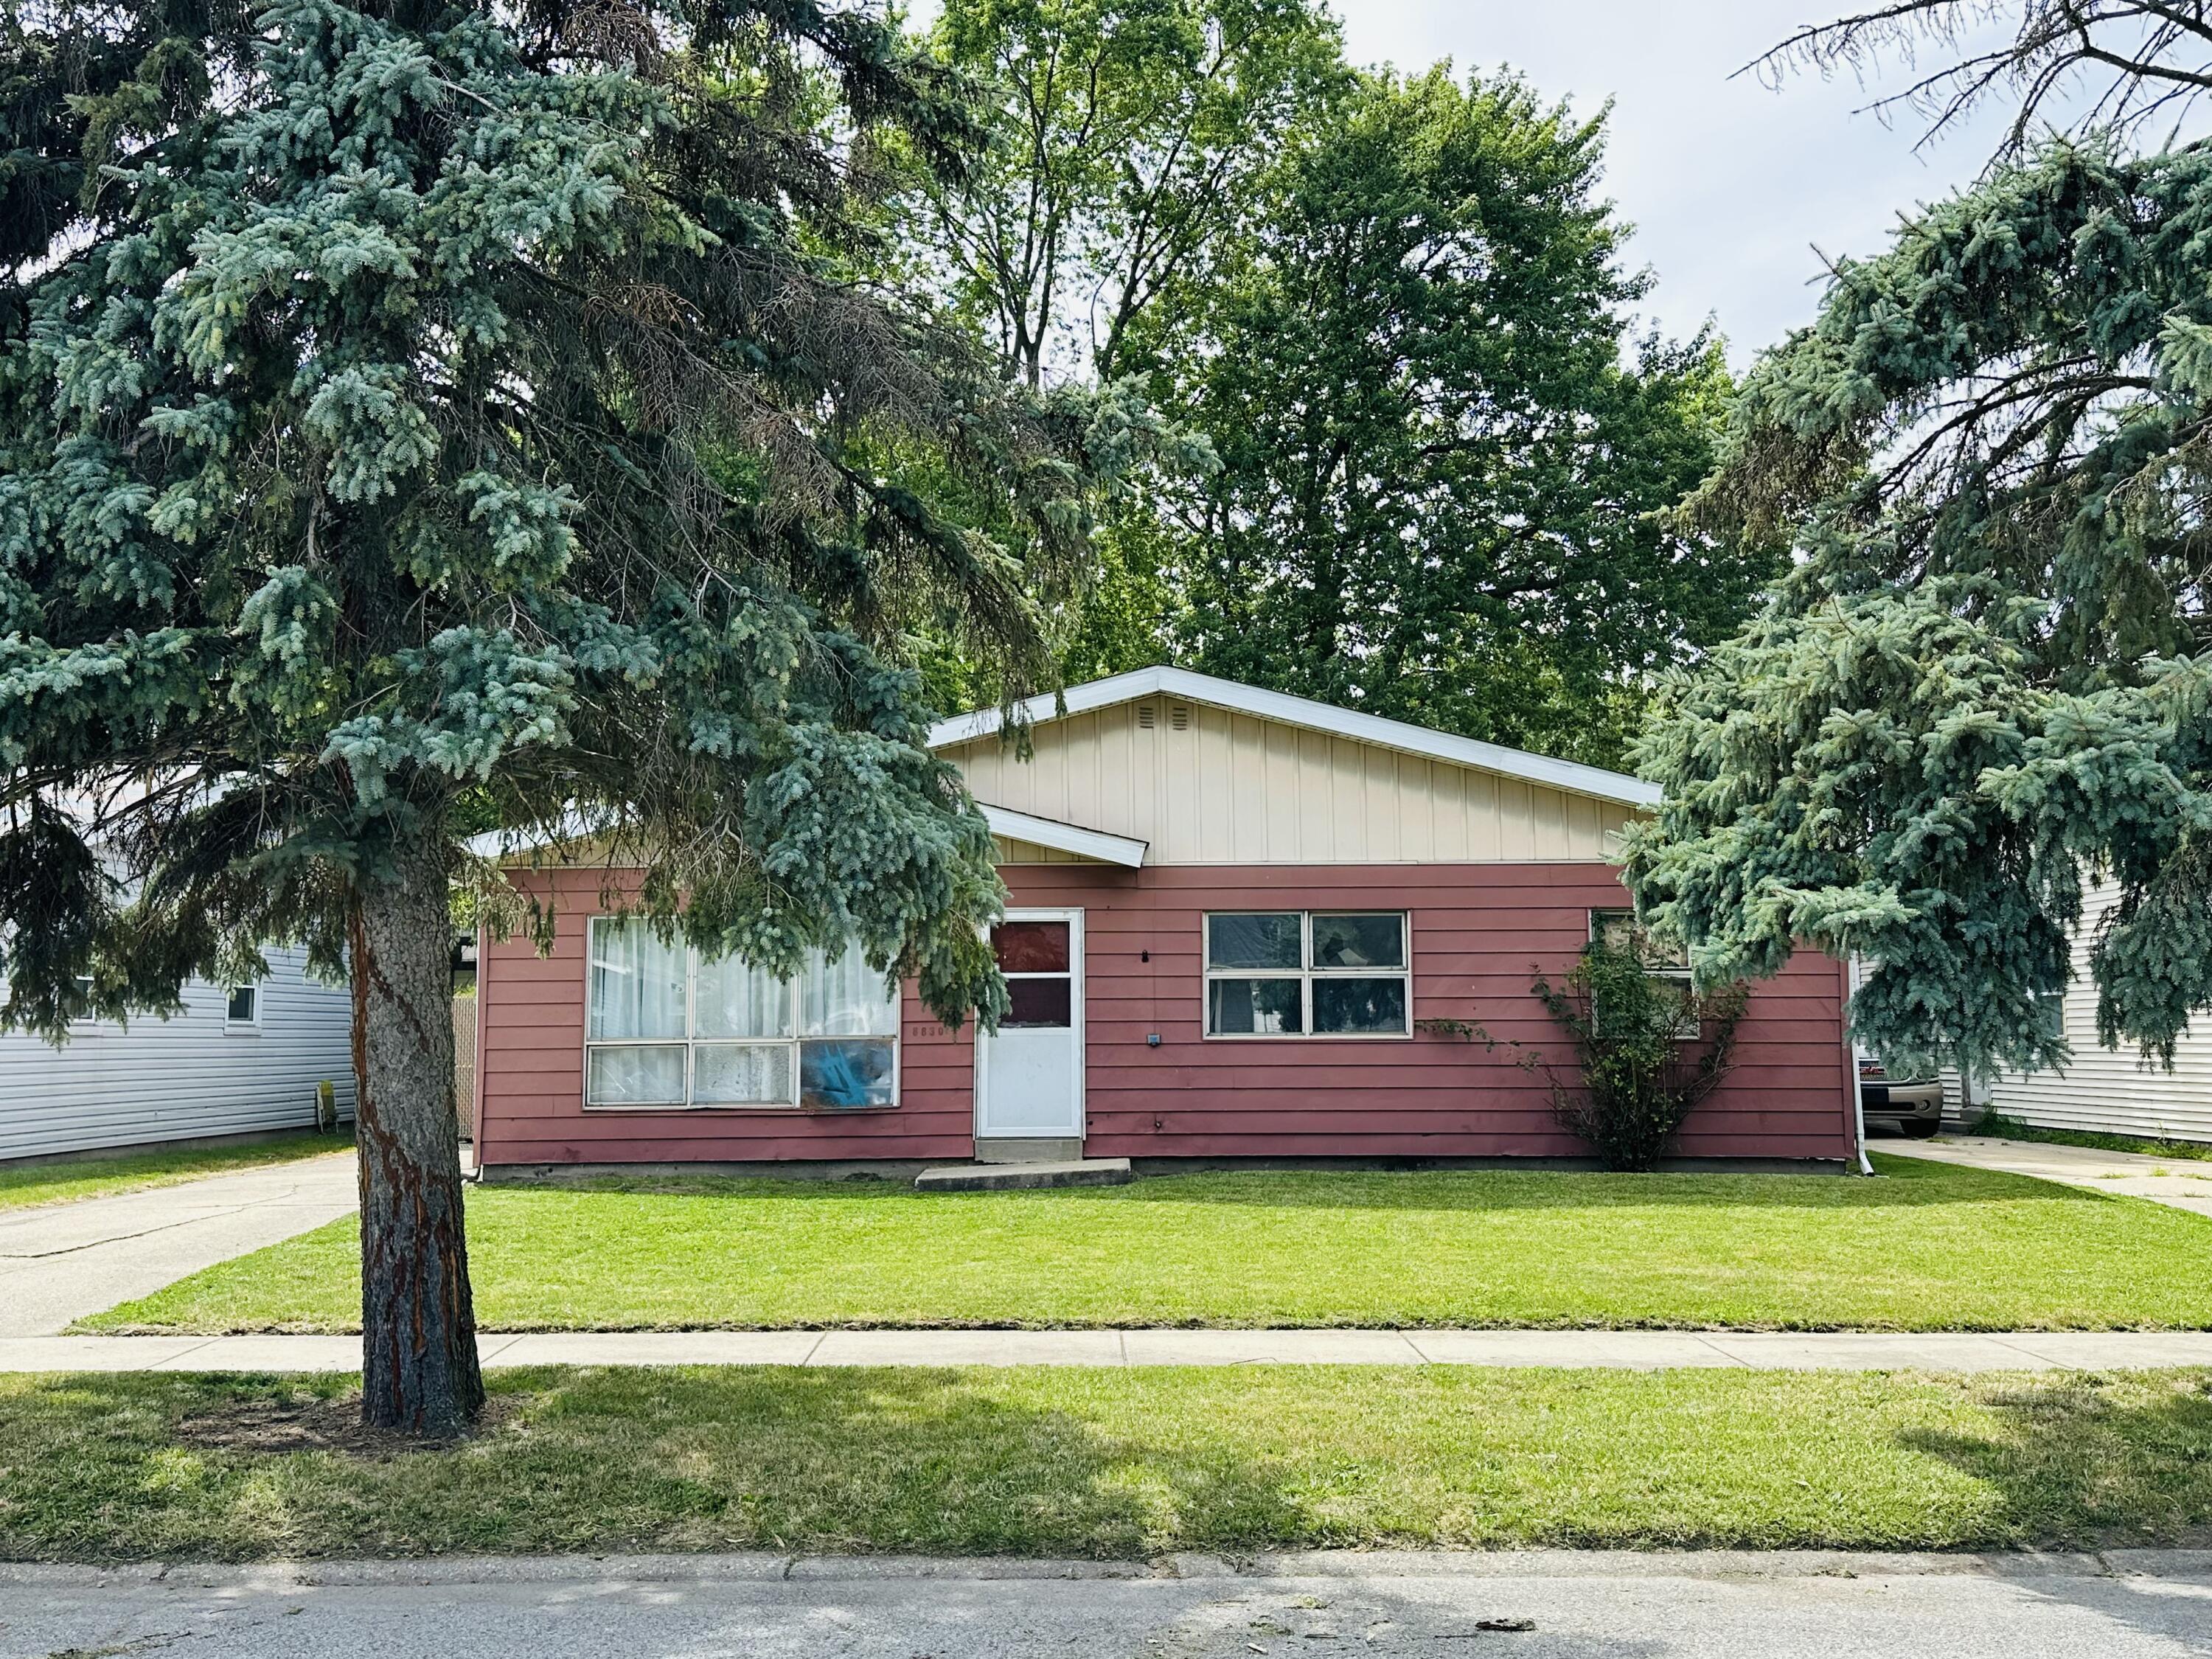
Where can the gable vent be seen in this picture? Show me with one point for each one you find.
(1145, 716)
(1179, 716)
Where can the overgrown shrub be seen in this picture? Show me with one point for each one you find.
(1648, 1047)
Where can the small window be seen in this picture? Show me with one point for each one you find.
(1618, 930)
(1308, 973)
(241, 1008)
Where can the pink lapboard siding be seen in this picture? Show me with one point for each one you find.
(1479, 932)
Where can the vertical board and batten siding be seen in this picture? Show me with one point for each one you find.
(183, 1077)
(1230, 789)
(1477, 933)
(2103, 1090)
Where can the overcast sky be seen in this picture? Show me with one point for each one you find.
(1729, 183)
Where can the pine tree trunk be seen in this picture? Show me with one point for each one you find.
(419, 1373)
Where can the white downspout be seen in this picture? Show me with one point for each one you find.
(1850, 1059)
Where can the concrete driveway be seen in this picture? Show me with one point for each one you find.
(1526, 1605)
(2185, 1184)
(58, 1264)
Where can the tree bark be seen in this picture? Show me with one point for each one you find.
(418, 1362)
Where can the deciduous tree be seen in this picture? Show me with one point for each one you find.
(1443, 459)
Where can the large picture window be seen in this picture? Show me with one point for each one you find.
(664, 1026)
(1308, 973)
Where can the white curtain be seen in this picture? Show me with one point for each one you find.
(735, 1000)
(642, 1076)
(845, 997)
(742, 1074)
(636, 987)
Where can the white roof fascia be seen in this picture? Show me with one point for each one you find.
(1570, 775)
(1065, 837)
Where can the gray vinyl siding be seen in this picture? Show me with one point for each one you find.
(181, 1079)
(2101, 1089)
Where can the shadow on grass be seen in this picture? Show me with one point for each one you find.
(2092, 1460)
(910, 1460)
(2100, 1463)
(1900, 1183)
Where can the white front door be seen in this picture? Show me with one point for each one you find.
(1028, 1074)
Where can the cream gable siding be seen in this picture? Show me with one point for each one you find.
(2103, 1090)
(1231, 788)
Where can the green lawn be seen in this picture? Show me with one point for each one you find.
(1925, 1247)
(24, 1185)
(1112, 1463)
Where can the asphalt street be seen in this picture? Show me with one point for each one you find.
(1536, 1606)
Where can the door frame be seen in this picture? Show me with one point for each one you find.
(1078, 1023)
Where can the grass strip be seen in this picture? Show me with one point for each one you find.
(1994, 1123)
(1109, 1463)
(24, 1186)
(1925, 1247)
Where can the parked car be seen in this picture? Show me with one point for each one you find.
(1912, 1106)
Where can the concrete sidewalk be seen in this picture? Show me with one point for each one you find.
(2184, 1183)
(57, 1264)
(1813, 1350)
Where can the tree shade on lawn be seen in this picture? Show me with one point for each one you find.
(1109, 1463)
(465, 415)
(1927, 1247)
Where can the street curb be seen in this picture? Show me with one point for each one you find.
(2194, 1564)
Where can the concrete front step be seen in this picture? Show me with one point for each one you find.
(997, 1177)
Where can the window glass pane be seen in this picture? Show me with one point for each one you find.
(240, 1009)
(1030, 947)
(741, 1074)
(732, 999)
(1253, 941)
(1039, 1002)
(1359, 942)
(636, 982)
(1618, 931)
(1359, 1005)
(845, 997)
(1258, 1006)
(847, 1073)
(638, 1076)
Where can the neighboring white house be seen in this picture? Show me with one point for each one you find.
(2109, 1091)
(237, 1059)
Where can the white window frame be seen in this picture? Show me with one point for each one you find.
(244, 1027)
(1691, 1029)
(1306, 973)
(691, 1044)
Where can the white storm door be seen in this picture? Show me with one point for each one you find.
(1028, 1074)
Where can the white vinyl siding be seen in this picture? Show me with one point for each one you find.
(184, 1078)
(2102, 1089)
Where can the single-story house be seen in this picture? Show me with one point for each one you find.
(2105, 1090)
(1231, 913)
(239, 1060)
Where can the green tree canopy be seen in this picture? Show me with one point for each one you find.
(1125, 136)
(1987, 678)
(1443, 459)
(469, 408)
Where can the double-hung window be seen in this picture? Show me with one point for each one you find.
(1667, 964)
(1308, 973)
(665, 1027)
